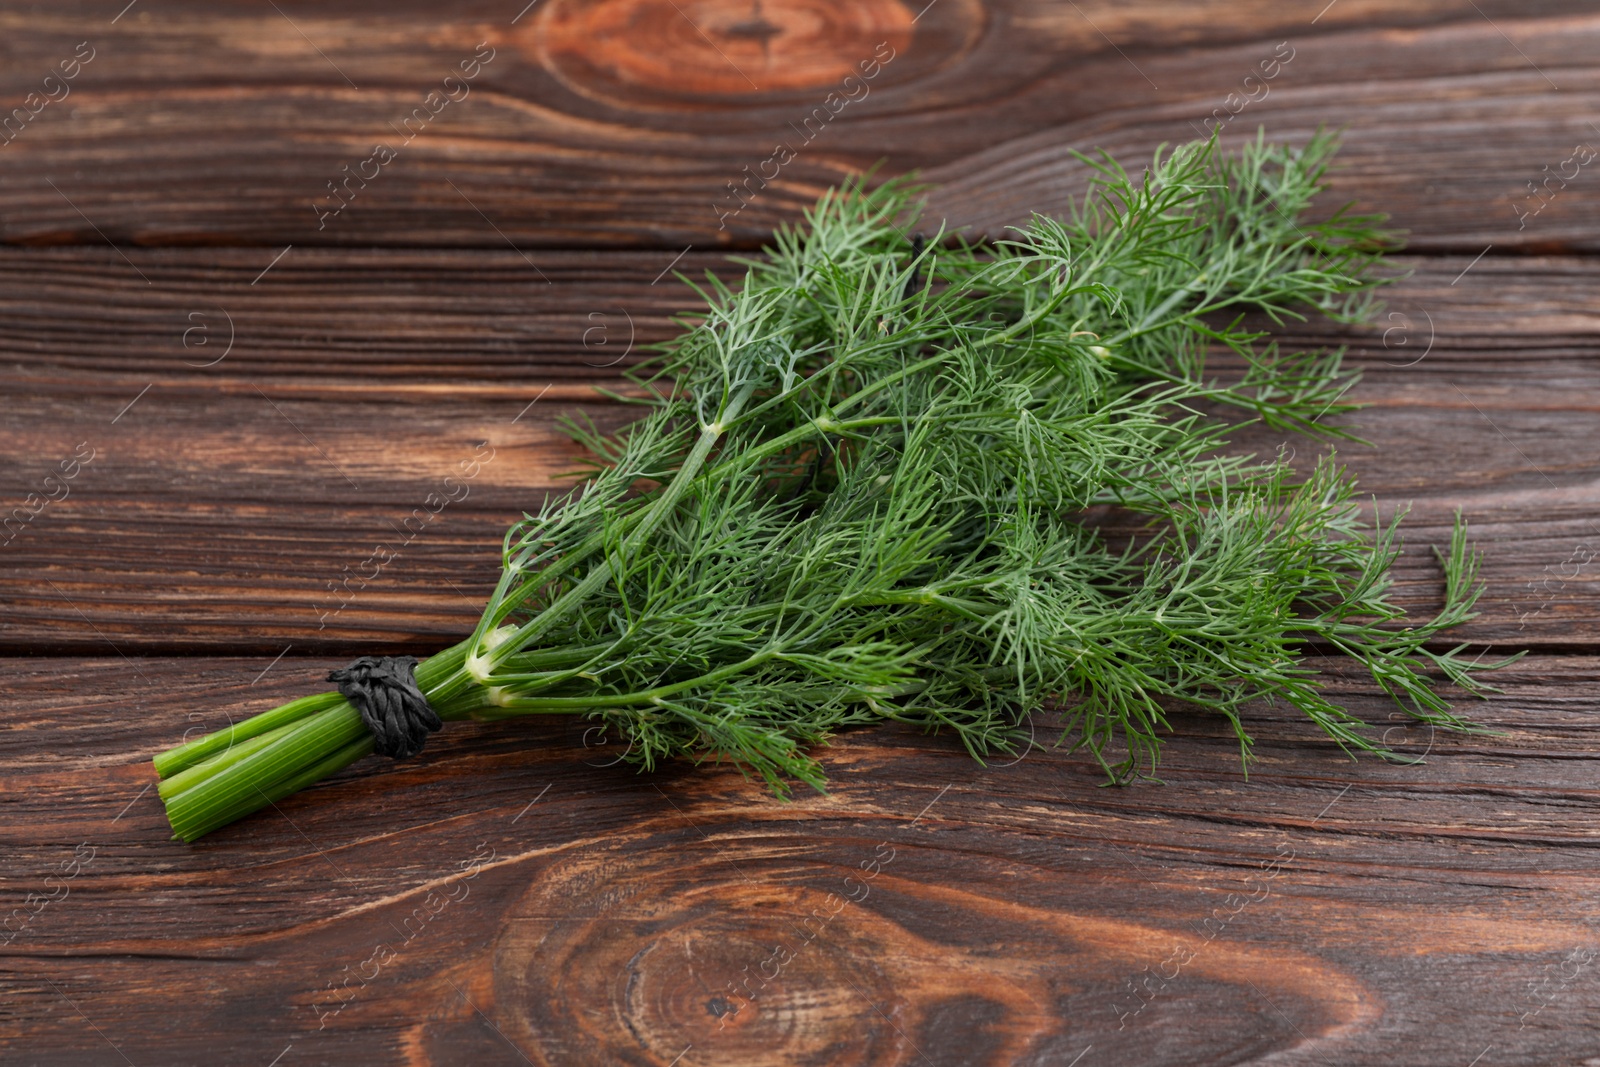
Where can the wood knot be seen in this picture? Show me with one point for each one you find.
(639, 50)
(624, 948)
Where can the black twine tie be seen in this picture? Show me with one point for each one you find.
(384, 690)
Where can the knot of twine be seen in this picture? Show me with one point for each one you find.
(384, 690)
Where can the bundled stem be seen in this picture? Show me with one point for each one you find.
(863, 498)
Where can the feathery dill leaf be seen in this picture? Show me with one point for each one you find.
(861, 493)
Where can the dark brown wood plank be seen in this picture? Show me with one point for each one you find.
(479, 323)
(221, 510)
(623, 122)
(508, 895)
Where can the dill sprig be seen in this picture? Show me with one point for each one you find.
(860, 492)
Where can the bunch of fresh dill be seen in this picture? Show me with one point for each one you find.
(859, 494)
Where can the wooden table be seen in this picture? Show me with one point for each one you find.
(254, 380)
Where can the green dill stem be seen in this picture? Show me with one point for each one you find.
(216, 818)
(504, 603)
(890, 379)
(449, 689)
(174, 760)
(256, 762)
(199, 772)
(928, 363)
(515, 705)
(798, 435)
(335, 761)
(571, 656)
(219, 778)
(654, 515)
(970, 609)
(1029, 321)
(507, 602)
(239, 789)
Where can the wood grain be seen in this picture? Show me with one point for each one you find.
(221, 509)
(509, 888)
(626, 122)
